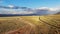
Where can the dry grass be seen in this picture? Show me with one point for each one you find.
(30, 24)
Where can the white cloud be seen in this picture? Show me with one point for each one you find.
(19, 11)
(43, 8)
(50, 9)
(47, 10)
(54, 9)
(11, 6)
(14, 11)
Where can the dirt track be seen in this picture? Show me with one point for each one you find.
(31, 28)
(27, 29)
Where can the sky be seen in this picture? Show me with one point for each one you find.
(32, 6)
(31, 3)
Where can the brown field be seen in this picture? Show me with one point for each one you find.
(49, 24)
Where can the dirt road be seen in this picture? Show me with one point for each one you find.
(27, 29)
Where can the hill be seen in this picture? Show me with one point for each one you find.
(58, 13)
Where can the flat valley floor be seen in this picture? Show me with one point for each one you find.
(48, 24)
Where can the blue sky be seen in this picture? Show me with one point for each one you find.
(32, 6)
(31, 3)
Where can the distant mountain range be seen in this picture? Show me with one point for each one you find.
(58, 13)
(4, 15)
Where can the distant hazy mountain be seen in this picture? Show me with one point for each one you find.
(41, 11)
(58, 13)
(45, 12)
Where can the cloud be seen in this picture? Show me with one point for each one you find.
(46, 10)
(11, 9)
(43, 8)
(54, 9)
(14, 11)
(8, 7)
(50, 9)
(11, 6)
